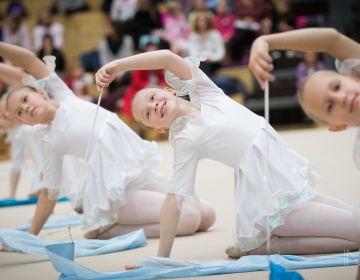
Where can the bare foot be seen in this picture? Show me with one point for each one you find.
(130, 267)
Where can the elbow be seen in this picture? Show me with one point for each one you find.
(169, 58)
(170, 202)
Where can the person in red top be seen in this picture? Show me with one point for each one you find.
(141, 79)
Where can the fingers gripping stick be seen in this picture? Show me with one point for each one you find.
(82, 171)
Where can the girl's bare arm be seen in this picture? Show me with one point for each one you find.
(25, 59)
(307, 40)
(162, 59)
(11, 75)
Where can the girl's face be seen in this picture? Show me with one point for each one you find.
(221, 7)
(155, 108)
(333, 98)
(29, 107)
(202, 22)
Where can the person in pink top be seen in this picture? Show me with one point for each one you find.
(177, 29)
(224, 21)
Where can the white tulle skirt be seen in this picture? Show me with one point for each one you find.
(120, 161)
(290, 179)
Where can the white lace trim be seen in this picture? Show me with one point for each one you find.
(184, 88)
(38, 84)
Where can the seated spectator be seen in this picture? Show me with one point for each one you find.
(68, 6)
(48, 48)
(16, 8)
(45, 25)
(177, 29)
(224, 21)
(205, 38)
(283, 17)
(115, 45)
(310, 65)
(199, 6)
(77, 83)
(252, 18)
(123, 10)
(143, 78)
(146, 20)
(187, 6)
(17, 33)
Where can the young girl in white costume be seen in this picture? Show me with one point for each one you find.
(121, 179)
(213, 126)
(326, 96)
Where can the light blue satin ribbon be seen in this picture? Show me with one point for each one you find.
(15, 240)
(61, 256)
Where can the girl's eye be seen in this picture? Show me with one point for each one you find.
(19, 113)
(25, 99)
(152, 97)
(337, 87)
(148, 114)
(330, 106)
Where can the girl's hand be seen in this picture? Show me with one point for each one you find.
(105, 75)
(260, 62)
(130, 267)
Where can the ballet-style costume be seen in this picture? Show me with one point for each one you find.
(14, 138)
(118, 158)
(228, 132)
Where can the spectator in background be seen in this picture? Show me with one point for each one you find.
(16, 8)
(187, 6)
(283, 17)
(141, 79)
(205, 38)
(310, 65)
(123, 10)
(45, 25)
(146, 20)
(77, 83)
(224, 21)
(115, 45)
(199, 6)
(68, 6)
(252, 18)
(17, 33)
(48, 48)
(177, 29)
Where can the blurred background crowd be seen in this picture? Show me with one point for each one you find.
(84, 35)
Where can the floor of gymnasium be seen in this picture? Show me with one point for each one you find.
(331, 151)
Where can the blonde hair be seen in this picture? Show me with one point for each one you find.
(16, 89)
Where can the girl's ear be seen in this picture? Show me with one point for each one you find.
(43, 94)
(355, 78)
(171, 90)
(337, 128)
(159, 130)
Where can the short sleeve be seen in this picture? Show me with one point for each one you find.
(52, 171)
(183, 180)
(53, 85)
(199, 86)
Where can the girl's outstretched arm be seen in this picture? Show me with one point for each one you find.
(308, 40)
(162, 59)
(11, 75)
(44, 208)
(25, 59)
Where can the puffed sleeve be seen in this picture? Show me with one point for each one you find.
(199, 86)
(183, 180)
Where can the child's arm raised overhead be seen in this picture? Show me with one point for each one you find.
(25, 59)
(162, 59)
(307, 40)
(11, 75)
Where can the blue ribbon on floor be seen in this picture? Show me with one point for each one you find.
(62, 258)
(16, 202)
(18, 241)
(57, 221)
